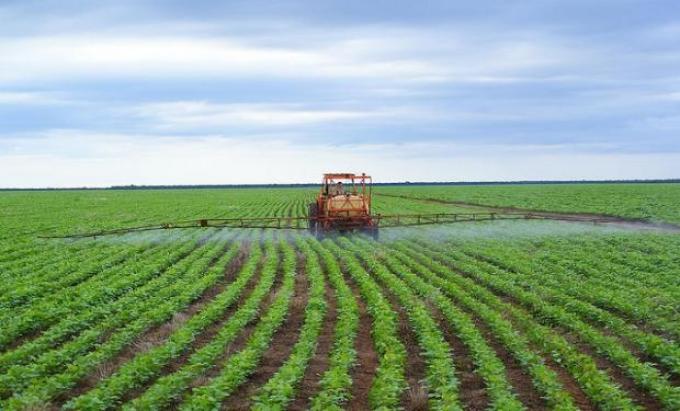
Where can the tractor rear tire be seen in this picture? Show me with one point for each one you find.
(372, 231)
(312, 215)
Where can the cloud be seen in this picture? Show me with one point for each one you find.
(200, 114)
(69, 158)
(383, 53)
(31, 98)
(449, 91)
(672, 96)
(106, 57)
(661, 123)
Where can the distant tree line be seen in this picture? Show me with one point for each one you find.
(304, 185)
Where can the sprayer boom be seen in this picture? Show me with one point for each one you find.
(343, 204)
(303, 223)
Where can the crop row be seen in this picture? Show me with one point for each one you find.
(488, 365)
(236, 369)
(440, 379)
(112, 285)
(594, 382)
(278, 392)
(87, 325)
(569, 272)
(390, 378)
(642, 373)
(667, 352)
(336, 381)
(36, 382)
(171, 387)
(147, 365)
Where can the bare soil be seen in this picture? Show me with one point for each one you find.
(569, 383)
(319, 363)
(159, 334)
(415, 397)
(281, 346)
(663, 369)
(580, 398)
(638, 395)
(367, 358)
(472, 388)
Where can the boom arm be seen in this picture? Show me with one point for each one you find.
(301, 223)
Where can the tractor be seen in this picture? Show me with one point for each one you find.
(343, 205)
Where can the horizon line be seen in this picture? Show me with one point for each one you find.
(293, 185)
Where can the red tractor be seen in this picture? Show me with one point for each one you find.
(343, 205)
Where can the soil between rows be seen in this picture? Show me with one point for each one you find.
(575, 391)
(281, 346)
(212, 330)
(319, 363)
(364, 371)
(158, 335)
(415, 397)
(638, 395)
(621, 378)
(641, 325)
(242, 339)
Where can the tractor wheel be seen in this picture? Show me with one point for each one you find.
(320, 234)
(372, 231)
(312, 214)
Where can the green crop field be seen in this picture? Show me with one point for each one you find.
(658, 202)
(501, 315)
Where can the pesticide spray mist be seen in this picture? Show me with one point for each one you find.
(509, 230)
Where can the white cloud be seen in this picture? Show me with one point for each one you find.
(382, 53)
(98, 56)
(68, 159)
(200, 114)
(672, 96)
(500, 83)
(31, 98)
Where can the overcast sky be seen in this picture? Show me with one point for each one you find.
(205, 92)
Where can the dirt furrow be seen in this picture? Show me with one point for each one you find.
(211, 331)
(519, 377)
(367, 358)
(641, 325)
(639, 395)
(158, 335)
(320, 361)
(281, 346)
(415, 397)
(615, 373)
(473, 393)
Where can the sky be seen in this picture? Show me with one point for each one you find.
(99, 93)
